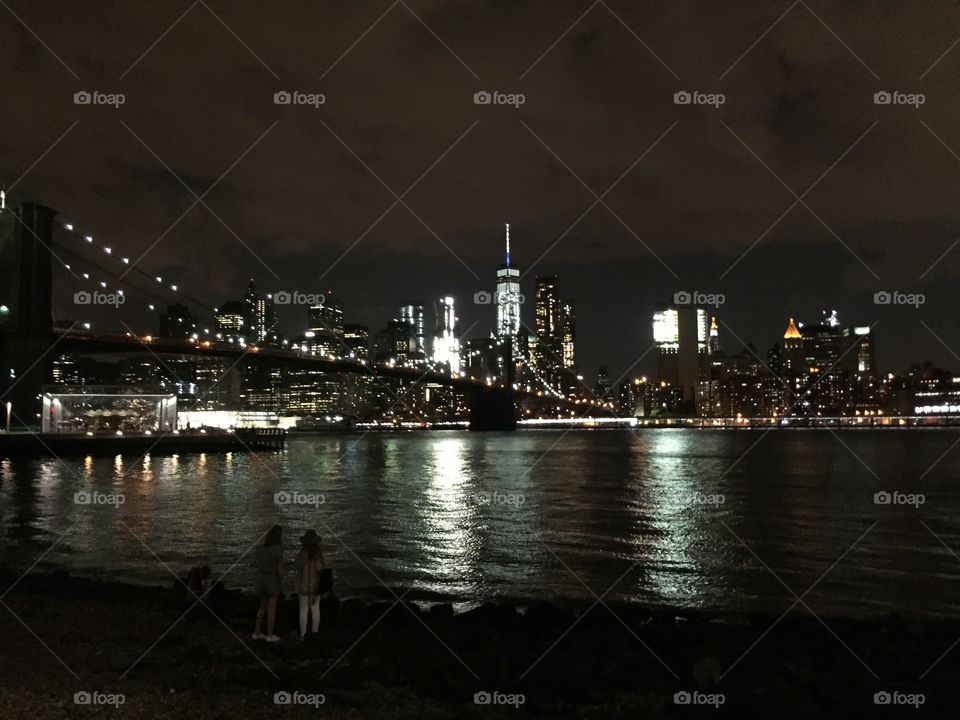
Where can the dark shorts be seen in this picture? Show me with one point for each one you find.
(267, 586)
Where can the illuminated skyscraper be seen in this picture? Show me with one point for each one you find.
(357, 338)
(682, 337)
(446, 344)
(549, 325)
(508, 301)
(258, 311)
(792, 356)
(324, 335)
(569, 329)
(412, 315)
(230, 321)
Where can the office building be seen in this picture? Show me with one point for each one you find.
(548, 324)
(569, 337)
(446, 340)
(412, 314)
(230, 321)
(508, 300)
(682, 337)
(259, 313)
(324, 335)
(356, 338)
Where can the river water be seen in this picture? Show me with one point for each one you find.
(722, 520)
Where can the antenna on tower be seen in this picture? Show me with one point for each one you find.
(508, 244)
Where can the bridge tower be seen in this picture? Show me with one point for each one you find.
(493, 408)
(26, 320)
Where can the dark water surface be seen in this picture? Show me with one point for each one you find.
(725, 520)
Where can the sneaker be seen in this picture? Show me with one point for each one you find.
(258, 636)
(272, 638)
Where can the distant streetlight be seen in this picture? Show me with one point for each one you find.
(9, 410)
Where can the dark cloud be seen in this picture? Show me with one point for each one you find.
(302, 187)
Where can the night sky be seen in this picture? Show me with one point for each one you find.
(306, 199)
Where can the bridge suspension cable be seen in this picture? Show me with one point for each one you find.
(122, 261)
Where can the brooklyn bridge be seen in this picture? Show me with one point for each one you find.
(44, 264)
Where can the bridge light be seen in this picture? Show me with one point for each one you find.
(151, 307)
(86, 326)
(126, 261)
(89, 238)
(103, 284)
(68, 226)
(107, 250)
(86, 276)
(173, 287)
(159, 279)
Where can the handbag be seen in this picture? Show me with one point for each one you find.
(324, 581)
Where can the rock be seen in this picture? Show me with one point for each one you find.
(706, 671)
(546, 615)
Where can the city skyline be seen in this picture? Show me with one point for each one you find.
(485, 319)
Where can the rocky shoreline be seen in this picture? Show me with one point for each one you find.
(167, 656)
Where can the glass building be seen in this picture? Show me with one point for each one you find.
(446, 343)
(508, 299)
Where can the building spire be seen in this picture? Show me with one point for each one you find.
(792, 333)
(508, 244)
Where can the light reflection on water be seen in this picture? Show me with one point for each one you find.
(529, 515)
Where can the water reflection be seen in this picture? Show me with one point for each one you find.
(669, 485)
(416, 510)
(447, 514)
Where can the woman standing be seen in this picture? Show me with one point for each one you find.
(310, 562)
(269, 564)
